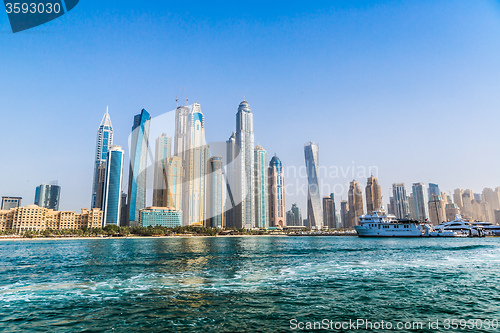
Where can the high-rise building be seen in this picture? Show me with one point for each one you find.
(123, 209)
(411, 207)
(160, 216)
(457, 199)
(163, 152)
(452, 211)
(47, 196)
(10, 202)
(373, 195)
(104, 141)
(401, 207)
(355, 200)
(276, 193)
(113, 186)
(314, 211)
(420, 199)
(497, 216)
(437, 211)
(195, 166)
(467, 198)
(294, 216)
(329, 212)
(434, 190)
(101, 177)
(491, 197)
(138, 165)
(215, 193)
(344, 213)
(232, 152)
(261, 188)
(172, 196)
(244, 214)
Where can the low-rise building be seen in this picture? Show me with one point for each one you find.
(160, 216)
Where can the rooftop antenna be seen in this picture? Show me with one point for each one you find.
(187, 99)
(177, 99)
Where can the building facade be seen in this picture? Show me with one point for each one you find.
(113, 186)
(373, 195)
(163, 152)
(314, 211)
(400, 204)
(10, 202)
(437, 209)
(160, 216)
(47, 196)
(138, 165)
(329, 212)
(261, 188)
(103, 142)
(420, 199)
(355, 199)
(215, 193)
(276, 181)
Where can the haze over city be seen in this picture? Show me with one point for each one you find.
(410, 89)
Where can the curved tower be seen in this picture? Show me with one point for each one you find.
(314, 211)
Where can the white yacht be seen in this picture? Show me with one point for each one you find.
(489, 229)
(457, 228)
(380, 224)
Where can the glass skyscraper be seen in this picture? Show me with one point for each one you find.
(314, 211)
(138, 163)
(215, 193)
(261, 188)
(113, 186)
(400, 204)
(104, 141)
(163, 151)
(420, 199)
(47, 196)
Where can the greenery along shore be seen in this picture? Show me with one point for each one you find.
(116, 231)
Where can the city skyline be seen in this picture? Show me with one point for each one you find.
(405, 84)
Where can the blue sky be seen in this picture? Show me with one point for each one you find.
(410, 87)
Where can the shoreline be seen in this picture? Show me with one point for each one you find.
(129, 237)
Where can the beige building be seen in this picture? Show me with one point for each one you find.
(373, 195)
(37, 218)
(437, 212)
(355, 200)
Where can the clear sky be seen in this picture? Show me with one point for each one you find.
(410, 87)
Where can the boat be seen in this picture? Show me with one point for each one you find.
(457, 228)
(381, 224)
(489, 229)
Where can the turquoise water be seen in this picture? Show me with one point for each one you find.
(254, 284)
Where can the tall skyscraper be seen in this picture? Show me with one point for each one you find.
(245, 213)
(373, 195)
(262, 196)
(491, 197)
(467, 198)
(344, 213)
(101, 177)
(457, 199)
(355, 200)
(172, 196)
(123, 209)
(314, 211)
(294, 216)
(400, 201)
(113, 186)
(215, 193)
(420, 199)
(276, 193)
(163, 152)
(138, 165)
(194, 210)
(47, 196)
(104, 141)
(437, 211)
(329, 212)
(232, 152)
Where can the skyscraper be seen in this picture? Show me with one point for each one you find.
(437, 211)
(47, 196)
(215, 193)
(113, 186)
(101, 177)
(457, 199)
(196, 164)
(434, 190)
(138, 165)
(373, 195)
(400, 201)
(262, 196)
(294, 216)
(245, 213)
(174, 172)
(314, 211)
(163, 152)
(344, 213)
(420, 199)
(355, 200)
(104, 141)
(276, 193)
(467, 198)
(232, 153)
(329, 212)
